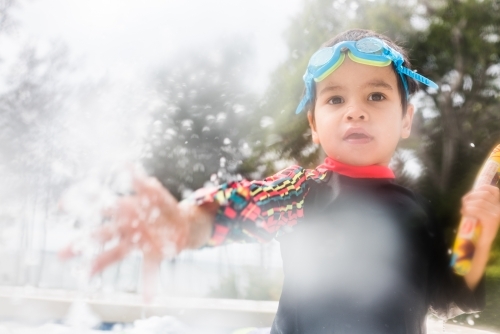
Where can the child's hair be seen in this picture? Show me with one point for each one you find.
(357, 34)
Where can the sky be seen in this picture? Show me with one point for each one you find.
(124, 37)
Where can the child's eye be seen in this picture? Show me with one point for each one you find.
(376, 97)
(336, 100)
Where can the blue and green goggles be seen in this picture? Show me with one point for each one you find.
(369, 51)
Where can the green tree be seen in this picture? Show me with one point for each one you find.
(30, 107)
(200, 126)
(288, 138)
(460, 51)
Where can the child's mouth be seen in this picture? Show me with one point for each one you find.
(357, 137)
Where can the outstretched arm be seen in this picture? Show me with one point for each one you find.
(153, 221)
(482, 203)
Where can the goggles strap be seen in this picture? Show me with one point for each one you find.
(404, 80)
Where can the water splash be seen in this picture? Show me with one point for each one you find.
(158, 325)
(81, 316)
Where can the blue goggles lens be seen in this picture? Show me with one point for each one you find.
(369, 51)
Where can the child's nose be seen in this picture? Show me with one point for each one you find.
(356, 113)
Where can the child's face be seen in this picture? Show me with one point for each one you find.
(358, 118)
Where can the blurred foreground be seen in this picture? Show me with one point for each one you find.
(57, 311)
(30, 310)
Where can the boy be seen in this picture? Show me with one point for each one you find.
(360, 253)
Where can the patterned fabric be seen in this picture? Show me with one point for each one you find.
(256, 210)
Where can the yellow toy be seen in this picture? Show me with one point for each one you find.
(469, 228)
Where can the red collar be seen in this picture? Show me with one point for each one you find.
(373, 171)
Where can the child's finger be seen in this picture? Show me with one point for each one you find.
(489, 194)
(480, 202)
(110, 256)
(126, 218)
(150, 271)
(145, 185)
(152, 193)
(483, 204)
(484, 213)
(67, 253)
(488, 191)
(488, 202)
(111, 231)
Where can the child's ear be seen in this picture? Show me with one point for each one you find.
(312, 125)
(407, 121)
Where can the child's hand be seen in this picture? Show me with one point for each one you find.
(154, 222)
(150, 220)
(483, 203)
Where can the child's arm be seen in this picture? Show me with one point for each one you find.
(153, 221)
(482, 203)
(256, 210)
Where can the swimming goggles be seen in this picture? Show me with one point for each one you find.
(369, 51)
